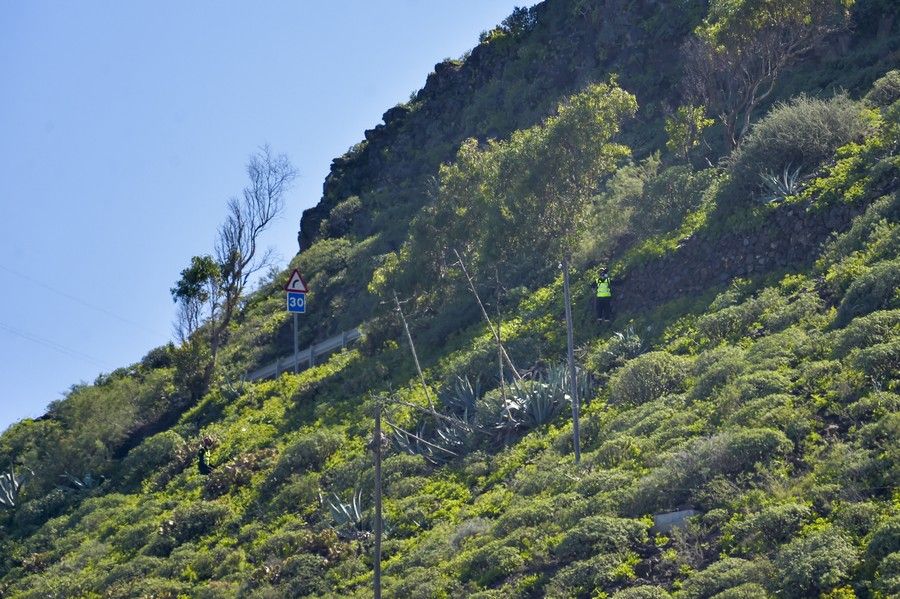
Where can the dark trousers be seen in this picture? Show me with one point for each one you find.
(604, 308)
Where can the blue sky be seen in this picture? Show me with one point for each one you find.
(127, 125)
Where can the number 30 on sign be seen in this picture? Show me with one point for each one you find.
(296, 302)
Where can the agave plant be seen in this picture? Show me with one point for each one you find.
(74, 483)
(537, 402)
(460, 399)
(628, 343)
(232, 388)
(778, 187)
(348, 516)
(11, 487)
(434, 442)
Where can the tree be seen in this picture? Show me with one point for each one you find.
(523, 201)
(685, 129)
(198, 295)
(737, 54)
(209, 290)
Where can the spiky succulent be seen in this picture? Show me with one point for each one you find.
(11, 487)
(348, 517)
(778, 187)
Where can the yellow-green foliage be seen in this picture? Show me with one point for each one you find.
(768, 406)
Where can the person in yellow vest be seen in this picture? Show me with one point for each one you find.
(604, 295)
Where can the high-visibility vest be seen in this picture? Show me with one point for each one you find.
(603, 288)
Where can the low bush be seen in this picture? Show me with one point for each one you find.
(729, 454)
(724, 574)
(642, 592)
(864, 331)
(194, 520)
(801, 133)
(883, 541)
(876, 289)
(648, 377)
(887, 577)
(600, 534)
(492, 563)
(773, 525)
(157, 454)
(880, 361)
(885, 91)
(309, 452)
(302, 575)
(583, 578)
(716, 367)
(748, 590)
(815, 563)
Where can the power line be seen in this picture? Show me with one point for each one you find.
(79, 300)
(72, 353)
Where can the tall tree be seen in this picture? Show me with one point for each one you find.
(523, 201)
(211, 287)
(737, 54)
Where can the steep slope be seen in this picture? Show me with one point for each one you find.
(750, 374)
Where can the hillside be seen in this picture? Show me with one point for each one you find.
(747, 385)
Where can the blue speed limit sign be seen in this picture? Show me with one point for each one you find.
(296, 302)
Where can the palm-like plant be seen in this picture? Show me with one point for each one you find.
(779, 187)
(11, 487)
(74, 483)
(348, 516)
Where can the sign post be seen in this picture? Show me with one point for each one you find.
(296, 304)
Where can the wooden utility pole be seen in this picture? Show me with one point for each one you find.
(377, 449)
(573, 383)
(412, 346)
(495, 332)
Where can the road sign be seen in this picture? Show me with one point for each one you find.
(296, 302)
(296, 283)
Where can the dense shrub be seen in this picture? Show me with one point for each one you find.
(642, 592)
(875, 289)
(492, 563)
(715, 367)
(814, 563)
(301, 575)
(864, 331)
(581, 579)
(801, 134)
(887, 577)
(668, 197)
(194, 520)
(772, 525)
(885, 91)
(883, 541)
(880, 361)
(151, 456)
(723, 575)
(600, 534)
(731, 322)
(648, 377)
(671, 484)
(748, 590)
(309, 452)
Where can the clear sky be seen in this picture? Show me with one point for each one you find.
(126, 126)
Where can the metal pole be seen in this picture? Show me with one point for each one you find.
(573, 382)
(296, 346)
(377, 498)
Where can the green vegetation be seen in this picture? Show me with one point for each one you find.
(767, 401)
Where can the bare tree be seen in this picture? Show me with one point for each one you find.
(210, 289)
(248, 216)
(734, 60)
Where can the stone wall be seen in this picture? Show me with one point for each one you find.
(790, 236)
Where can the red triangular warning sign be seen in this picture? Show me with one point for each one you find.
(296, 283)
